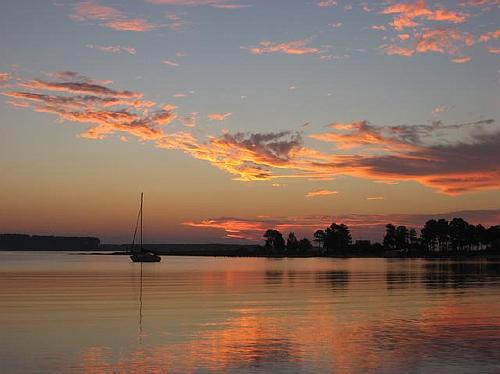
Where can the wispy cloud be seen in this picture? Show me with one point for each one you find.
(327, 3)
(490, 36)
(170, 63)
(362, 226)
(117, 49)
(375, 198)
(4, 77)
(222, 4)
(323, 192)
(110, 17)
(189, 120)
(219, 116)
(439, 109)
(448, 41)
(461, 60)
(295, 47)
(479, 3)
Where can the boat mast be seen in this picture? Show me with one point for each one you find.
(142, 197)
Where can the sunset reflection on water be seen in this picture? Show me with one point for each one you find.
(82, 314)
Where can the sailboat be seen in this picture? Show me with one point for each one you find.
(140, 255)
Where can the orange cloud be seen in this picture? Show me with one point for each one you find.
(218, 116)
(360, 134)
(190, 120)
(407, 14)
(295, 47)
(392, 49)
(138, 24)
(442, 40)
(439, 109)
(421, 153)
(375, 198)
(362, 226)
(78, 87)
(318, 193)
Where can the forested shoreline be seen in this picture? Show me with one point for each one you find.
(437, 238)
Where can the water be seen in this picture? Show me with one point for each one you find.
(86, 314)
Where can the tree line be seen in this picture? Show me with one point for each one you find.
(440, 235)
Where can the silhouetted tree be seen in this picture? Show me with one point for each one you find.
(402, 237)
(443, 234)
(461, 234)
(413, 238)
(493, 236)
(481, 236)
(337, 237)
(430, 235)
(292, 244)
(320, 237)
(304, 245)
(390, 241)
(274, 241)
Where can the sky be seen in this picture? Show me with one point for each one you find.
(234, 116)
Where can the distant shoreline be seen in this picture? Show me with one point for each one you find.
(92, 246)
(451, 256)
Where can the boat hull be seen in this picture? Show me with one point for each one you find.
(145, 257)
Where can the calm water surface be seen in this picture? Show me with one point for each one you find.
(87, 314)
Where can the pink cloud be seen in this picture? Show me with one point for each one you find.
(392, 49)
(170, 63)
(490, 35)
(461, 60)
(222, 4)
(327, 4)
(90, 10)
(110, 17)
(295, 47)
(4, 77)
(479, 3)
(138, 24)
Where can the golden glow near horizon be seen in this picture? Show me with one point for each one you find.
(358, 113)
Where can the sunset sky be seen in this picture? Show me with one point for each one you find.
(234, 116)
